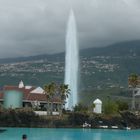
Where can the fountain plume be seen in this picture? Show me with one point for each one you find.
(71, 61)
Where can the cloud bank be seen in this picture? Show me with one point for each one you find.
(30, 27)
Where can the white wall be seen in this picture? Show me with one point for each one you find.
(41, 113)
(98, 108)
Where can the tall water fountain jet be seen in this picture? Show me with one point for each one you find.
(71, 62)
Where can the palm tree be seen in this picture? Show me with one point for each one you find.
(46, 91)
(50, 91)
(133, 82)
(64, 92)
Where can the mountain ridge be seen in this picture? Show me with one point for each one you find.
(103, 71)
(117, 49)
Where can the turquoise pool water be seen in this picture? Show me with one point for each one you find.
(69, 134)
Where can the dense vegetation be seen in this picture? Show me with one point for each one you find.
(27, 118)
(18, 117)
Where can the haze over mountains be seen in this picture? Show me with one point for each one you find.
(127, 48)
(100, 67)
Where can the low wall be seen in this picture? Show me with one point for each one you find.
(41, 113)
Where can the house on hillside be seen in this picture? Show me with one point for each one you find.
(32, 96)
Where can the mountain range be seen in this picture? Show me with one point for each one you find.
(101, 69)
(126, 48)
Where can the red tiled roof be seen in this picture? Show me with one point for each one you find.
(38, 97)
(34, 97)
(19, 89)
(27, 96)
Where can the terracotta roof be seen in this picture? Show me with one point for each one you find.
(19, 89)
(34, 97)
(27, 96)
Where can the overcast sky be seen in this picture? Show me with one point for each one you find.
(30, 27)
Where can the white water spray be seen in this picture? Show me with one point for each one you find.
(71, 62)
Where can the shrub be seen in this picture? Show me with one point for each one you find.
(18, 117)
(80, 108)
(110, 107)
(122, 105)
(78, 118)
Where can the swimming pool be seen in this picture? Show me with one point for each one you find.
(69, 134)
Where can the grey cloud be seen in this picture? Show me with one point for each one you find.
(30, 27)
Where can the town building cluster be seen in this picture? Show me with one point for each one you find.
(27, 96)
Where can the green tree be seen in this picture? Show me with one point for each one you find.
(122, 105)
(110, 107)
(50, 91)
(80, 108)
(64, 92)
(133, 82)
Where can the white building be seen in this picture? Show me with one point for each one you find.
(98, 106)
(33, 96)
